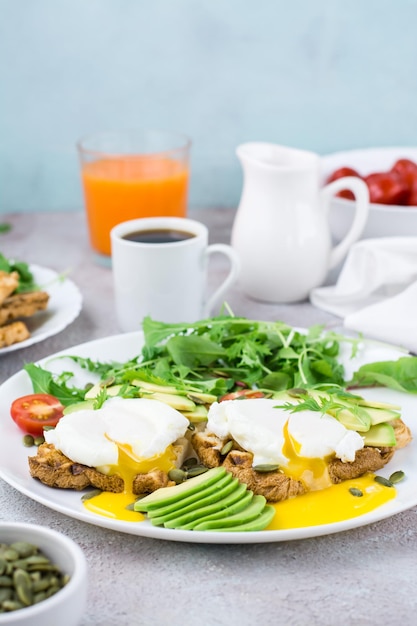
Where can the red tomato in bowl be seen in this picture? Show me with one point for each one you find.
(387, 188)
(31, 413)
(407, 170)
(342, 172)
(412, 198)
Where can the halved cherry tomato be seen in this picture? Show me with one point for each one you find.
(242, 394)
(342, 172)
(387, 188)
(31, 413)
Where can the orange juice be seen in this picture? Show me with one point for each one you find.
(118, 189)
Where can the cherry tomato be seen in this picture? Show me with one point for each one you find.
(407, 170)
(31, 413)
(242, 394)
(387, 188)
(342, 172)
(412, 198)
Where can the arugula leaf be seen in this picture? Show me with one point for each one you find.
(194, 351)
(215, 356)
(43, 382)
(400, 374)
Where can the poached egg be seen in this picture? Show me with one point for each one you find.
(127, 436)
(301, 443)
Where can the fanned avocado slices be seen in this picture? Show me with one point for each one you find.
(214, 500)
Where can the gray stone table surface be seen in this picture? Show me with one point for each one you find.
(363, 576)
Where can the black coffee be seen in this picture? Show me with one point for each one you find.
(158, 235)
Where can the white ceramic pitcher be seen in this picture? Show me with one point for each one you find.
(281, 231)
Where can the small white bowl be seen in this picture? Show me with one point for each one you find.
(383, 220)
(66, 607)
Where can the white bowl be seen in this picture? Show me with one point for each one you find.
(66, 607)
(383, 220)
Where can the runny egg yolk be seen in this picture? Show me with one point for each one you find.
(331, 505)
(313, 472)
(114, 505)
(325, 503)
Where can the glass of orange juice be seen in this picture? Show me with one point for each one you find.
(132, 174)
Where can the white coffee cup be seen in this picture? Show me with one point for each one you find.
(166, 279)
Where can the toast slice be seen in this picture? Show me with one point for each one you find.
(8, 284)
(13, 333)
(22, 305)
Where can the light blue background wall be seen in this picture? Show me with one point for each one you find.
(325, 75)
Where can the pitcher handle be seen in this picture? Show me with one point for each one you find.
(361, 193)
(230, 279)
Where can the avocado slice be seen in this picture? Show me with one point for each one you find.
(382, 415)
(168, 495)
(181, 519)
(237, 506)
(249, 513)
(260, 523)
(224, 485)
(96, 389)
(380, 435)
(208, 497)
(79, 406)
(352, 419)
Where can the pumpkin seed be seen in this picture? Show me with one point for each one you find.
(396, 477)
(106, 383)
(226, 448)
(177, 475)
(263, 468)
(40, 585)
(23, 585)
(10, 554)
(38, 597)
(190, 462)
(356, 492)
(28, 441)
(38, 441)
(383, 481)
(23, 548)
(28, 577)
(296, 392)
(5, 594)
(196, 471)
(12, 605)
(90, 494)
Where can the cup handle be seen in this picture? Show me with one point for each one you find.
(230, 278)
(361, 193)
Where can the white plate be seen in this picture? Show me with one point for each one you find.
(383, 220)
(63, 307)
(14, 465)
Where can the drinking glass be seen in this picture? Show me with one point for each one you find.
(132, 174)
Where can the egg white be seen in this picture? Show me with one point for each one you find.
(92, 437)
(262, 429)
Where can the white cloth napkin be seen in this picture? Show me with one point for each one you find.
(376, 291)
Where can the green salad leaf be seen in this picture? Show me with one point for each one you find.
(225, 353)
(400, 374)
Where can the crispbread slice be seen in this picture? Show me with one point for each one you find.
(8, 283)
(13, 333)
(22, 305)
